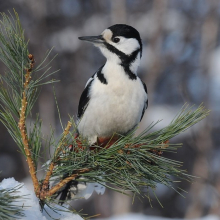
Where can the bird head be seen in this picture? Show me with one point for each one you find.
(119, 42)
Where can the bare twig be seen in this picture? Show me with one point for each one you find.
(45, 186)
(22, 127)
(45, 194)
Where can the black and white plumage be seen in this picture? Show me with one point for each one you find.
(115, 98)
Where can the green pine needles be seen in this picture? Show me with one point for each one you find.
(8, 208)
(131, 164)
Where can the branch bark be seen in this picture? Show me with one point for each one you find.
(22, 127)
(45, 186)
(45, 194)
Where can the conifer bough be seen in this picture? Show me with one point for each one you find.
(131, 164)
(8, 199)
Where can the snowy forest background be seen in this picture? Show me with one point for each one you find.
(180, 63)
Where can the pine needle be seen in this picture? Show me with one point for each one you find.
(8, 208)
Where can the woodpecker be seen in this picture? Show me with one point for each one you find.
(115, 98)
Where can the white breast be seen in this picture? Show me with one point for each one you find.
(113, 108)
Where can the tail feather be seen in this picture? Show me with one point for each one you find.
(65, 193)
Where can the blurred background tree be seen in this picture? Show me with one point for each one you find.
(180, 63)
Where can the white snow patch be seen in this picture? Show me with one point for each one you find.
(61, 214)
(30, 204)
(86, 190)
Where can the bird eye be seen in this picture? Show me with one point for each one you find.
(116, 39)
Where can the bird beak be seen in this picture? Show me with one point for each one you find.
(93, 39)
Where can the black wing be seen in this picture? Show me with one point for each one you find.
(84, 99)
(146, 104)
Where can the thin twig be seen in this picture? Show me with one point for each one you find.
(45, 194)
(22, 127)
(45, 185)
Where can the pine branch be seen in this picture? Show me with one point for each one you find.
(132, 164)
(22, 127)
(45, 185)
(8, 199)
(63, 182)
(19, 90)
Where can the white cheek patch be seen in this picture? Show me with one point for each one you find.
(107, 35)
(128, 46)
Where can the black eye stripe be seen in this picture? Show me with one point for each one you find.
(113, 49)
(121, 55)
(126, 60)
